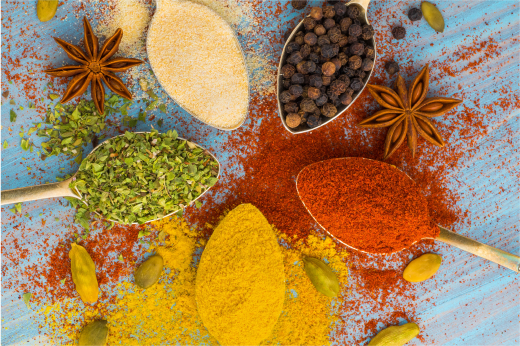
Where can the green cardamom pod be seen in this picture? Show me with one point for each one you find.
(433, 16)
(83, 273)
(396, 335)
(422, 268)
(321, 276)
(149, 272)
(94, 334)
(46, 9)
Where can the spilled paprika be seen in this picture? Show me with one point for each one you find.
(367, 204)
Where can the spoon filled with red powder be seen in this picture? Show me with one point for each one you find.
(374, 207)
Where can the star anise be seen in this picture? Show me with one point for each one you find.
(95, 68)
(408, 112)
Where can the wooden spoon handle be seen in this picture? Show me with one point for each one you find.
(33, 193)
(482, 250)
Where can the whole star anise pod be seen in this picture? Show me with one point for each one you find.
(95, 68)
(408, 112)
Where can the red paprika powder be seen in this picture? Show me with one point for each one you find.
(367, 204)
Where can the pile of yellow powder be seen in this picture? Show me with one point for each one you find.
(166, 313)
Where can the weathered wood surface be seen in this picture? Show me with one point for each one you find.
(471, 302)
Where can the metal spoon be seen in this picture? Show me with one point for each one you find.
(363, 6)
(446, 236)
(62, 189)
(157, 9)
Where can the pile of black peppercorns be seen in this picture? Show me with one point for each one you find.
(327, 63)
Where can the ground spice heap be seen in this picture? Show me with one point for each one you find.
(198, 61)
(367, 204)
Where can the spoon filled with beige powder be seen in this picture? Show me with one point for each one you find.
(198, 61)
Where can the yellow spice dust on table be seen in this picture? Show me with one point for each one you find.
(166, 313)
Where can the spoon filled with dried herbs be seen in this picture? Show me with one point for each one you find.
(134, 178)
(374, 207)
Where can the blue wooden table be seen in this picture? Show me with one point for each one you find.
(472, 302)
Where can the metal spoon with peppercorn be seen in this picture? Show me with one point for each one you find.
(325, 64)
(345, 207)
(120, 182)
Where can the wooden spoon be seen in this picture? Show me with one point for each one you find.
(446, 236)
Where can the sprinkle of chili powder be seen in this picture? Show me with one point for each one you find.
(367, 204)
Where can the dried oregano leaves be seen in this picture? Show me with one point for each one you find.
(136, 178)
(433, 16)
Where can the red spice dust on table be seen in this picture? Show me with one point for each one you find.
(367, 204)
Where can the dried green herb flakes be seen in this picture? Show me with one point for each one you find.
(141, 177)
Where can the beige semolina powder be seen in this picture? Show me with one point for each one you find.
(198, 61)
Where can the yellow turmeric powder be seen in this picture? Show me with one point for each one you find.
(166, 313)
(240, 280)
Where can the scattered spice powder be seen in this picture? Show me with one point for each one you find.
(367, 204)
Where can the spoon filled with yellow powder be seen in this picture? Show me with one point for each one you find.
(198, 61)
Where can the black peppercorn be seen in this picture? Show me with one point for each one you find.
(414, 14)
(307, 105)
(296, 90)
(367, 64)
(344, 24)
(332, 96)
(295, 58)
(299, 40)
(367, 32)
(286, 83)
(286, 97)
(345, 98)
(334, 34)
(335, 48)
(315, 81)
(292, 47)
(293, 120)
(305, 50)
(354, 30)
(329, 23)
(392, 67)
(399, 32)
(306, 67)
(332, 2)
(316, 13)
(310, 38)
(317, 50)
(313, 93)
(304, 92)
(328, 68)
(352, 39)
(303, 115)
(288, 70)
(326, 80)
(357, 48)
(350, 91)
(323, 40)
(352, 11)
(313, 121)
(340, 8)
(320, 30)
(345, 79)
(299, 4)
(356, 84)
(348, 71)
(338, 87)
(297, 78)
(291, 107)
(361, 74)
(329, 12)
(327, 51)
(314, 58)
(343, 41)
(370, 52)
(343, 58)
(354, 62)
(309, 23)
(328, 110)
(320, 101)
(306, 79)
(336, 63)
